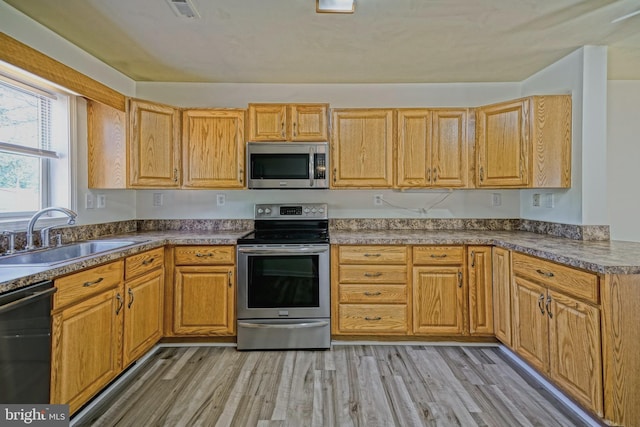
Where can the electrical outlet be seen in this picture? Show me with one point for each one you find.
(536, 199)
(496, 199)
(88, 201)
(101, 201)
(377, 199)
(220, 199)
(157, 199)
(546, 201)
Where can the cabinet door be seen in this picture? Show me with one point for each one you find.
(503, 145)
(438, 300)
(413, 166)
(530, 325)
(308, 123)
(154, 145)
(362, 144)
(502, 294)
(86, 348)
(267, 122)
(204, 300)
(449, 153)
(575, 349)
(213, 148)
(480, 290)
(143, 315)
(106, 146)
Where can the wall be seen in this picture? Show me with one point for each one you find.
(623, 173)
(583, 75)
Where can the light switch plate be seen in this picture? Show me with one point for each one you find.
(88, 201)
(101, 201)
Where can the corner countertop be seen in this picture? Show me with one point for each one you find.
(608, 257)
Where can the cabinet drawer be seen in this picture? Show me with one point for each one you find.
(372, 255)
(137, 265)
(205, 255)
(368, 318)
(78, 286)
(372, 274)
(373, 294)
(571, 281)
(438, 255)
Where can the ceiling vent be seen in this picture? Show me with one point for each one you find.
(184, 8)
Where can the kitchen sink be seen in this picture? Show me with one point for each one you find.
(51, 256)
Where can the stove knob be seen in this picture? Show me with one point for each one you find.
(260, 211)
(321, 210)
(306, 210)
(314, 210)
(267, 211)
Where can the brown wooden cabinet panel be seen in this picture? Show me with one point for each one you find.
(288, 122)
(373, 254)
(373, 274)
(383, 319)
(479, 266)
(449, 148)
(362, 148)
(413, 166)
(213, 148)
(106, 146)
(438, 300)
(154, 145)
(530, 325)
(205, 255)
(267, 122)
(309, 122)
(502, 295)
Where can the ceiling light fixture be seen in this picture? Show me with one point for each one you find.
(184, 8)
(335, 6)
(627, 16)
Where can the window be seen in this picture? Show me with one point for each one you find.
(34, 149)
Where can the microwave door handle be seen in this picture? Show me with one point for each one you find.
(311, 166)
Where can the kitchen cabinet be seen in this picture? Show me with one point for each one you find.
(362, 148)
(106, 146)
(144, 297)
(439, 293)
(87, 321)
(432, 148)
(369, 290)
(204, 291)
(556, 326)
(288, 122)
(501, 264)
(213, 148)
(480, 278)
(154, 145)
(525, 143)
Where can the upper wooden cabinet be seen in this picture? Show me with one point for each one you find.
(525, 143)
(213, 148)
(106, 146)
(154, 145)
(362, 148)
(432, 148)
(288, 122)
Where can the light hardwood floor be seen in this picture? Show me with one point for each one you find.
(350, 385)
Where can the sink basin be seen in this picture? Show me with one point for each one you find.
(51, 256)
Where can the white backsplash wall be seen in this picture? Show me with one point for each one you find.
(195, 204)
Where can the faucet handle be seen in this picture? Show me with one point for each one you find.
(11, 235)
(58, 239)
(44, 236)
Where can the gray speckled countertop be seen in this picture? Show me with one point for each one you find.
(597, 256)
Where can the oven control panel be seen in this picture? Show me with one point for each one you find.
(291, 211)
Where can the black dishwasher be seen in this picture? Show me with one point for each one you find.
(25, 344)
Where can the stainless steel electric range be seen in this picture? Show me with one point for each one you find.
(284, 279)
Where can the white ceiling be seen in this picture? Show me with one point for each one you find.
(384, 41)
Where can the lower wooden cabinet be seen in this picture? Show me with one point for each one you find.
(480, 276)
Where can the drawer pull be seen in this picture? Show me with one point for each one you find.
(208, 254)
(376, 274)
(148, 261)
(540, 302)
(130, 292)
(473, 259)
(438, 256)
(95, 282)
(545, 273)
(460, 279)
(548, 307)
(370, 255)
(372, 319)
(120, 303)
(372, 294)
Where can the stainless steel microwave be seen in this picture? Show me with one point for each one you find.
(301, 165)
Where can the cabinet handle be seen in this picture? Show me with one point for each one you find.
(548, 307)
(481, 174)
(372, 294)
(370, 255)
(376, 274)
(429, 175)
(473, 259)
(148, 261)
(294, 128)
(540, 302)
(241, 176)
(199, 255)
(130, 292)
(545, 273)
(438, 256)
(373, 318)
(459, 279)
(435, 175)
(335, 172)
(95, 282)
(175, 175)
(282, 129)
(120, 303)
(230, 277)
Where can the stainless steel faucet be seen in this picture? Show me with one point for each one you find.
(32, 222)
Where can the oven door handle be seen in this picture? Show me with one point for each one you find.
(311, 166)
(283, 325)
(299, 251)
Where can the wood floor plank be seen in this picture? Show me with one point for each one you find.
(347, 386)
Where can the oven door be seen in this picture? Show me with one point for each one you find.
(283, 281)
